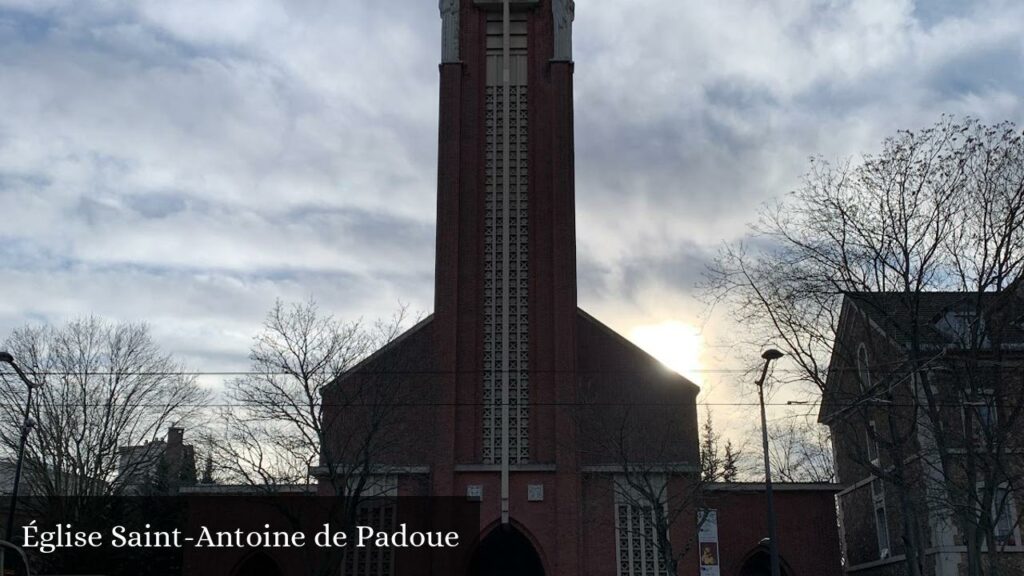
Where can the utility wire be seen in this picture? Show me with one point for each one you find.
(419, 372)
(468, 404)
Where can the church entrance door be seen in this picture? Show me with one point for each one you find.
(258, 564)
(759, 564)
(506, 552)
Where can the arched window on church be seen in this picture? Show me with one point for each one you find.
(863, 370)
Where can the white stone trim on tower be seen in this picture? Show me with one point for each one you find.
(449, 30)
(564, 12)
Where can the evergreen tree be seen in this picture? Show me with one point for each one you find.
(729, 463)
(710, 462)
(208, 471)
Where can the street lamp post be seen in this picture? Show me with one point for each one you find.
(26, 427)
(773, 544)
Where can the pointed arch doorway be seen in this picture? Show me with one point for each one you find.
(257, 564)
(506, 552)
(758, 563)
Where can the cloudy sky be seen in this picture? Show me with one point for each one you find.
(186, 162)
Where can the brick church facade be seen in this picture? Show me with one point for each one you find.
(512, 396)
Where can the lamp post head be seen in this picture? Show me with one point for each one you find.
(6, 357)
(771, 354)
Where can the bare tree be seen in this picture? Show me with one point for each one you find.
(274, 432)
(641, 454)
(801, 450)
(280, 430)
(105, 386)
(939, 209)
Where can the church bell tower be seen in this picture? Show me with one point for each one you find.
(505, 294)
(496, 374)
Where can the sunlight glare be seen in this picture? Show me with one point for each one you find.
(675, 344)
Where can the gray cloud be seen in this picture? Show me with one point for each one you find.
(690, 115)
(188, 162)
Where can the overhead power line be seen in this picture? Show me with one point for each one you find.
(473, 404)
(417, 372)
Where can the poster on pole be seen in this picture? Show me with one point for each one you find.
(707, 520)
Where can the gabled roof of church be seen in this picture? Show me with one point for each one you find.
(383, 350)
(582, 314)
(628, 344)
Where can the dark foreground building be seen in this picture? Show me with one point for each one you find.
(924, 398)
(580, 448)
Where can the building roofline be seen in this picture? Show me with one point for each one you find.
(627, 342)
(382, 350)
(247, 489)
(776, 486)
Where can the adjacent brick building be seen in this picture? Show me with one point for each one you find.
(923, 398)
(158, 466)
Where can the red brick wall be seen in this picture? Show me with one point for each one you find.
(807, 529)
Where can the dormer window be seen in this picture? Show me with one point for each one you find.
(963, 327)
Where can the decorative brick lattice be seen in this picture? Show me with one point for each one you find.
(506, 249)
(373, 560)
(636, 544)
(636, 547)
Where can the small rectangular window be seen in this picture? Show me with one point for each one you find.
(984, 418)
(882, 528)
(872, 438)
(881, 522)
(1003, 514)
(1004, 517)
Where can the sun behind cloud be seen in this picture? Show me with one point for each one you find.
(675, 344)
